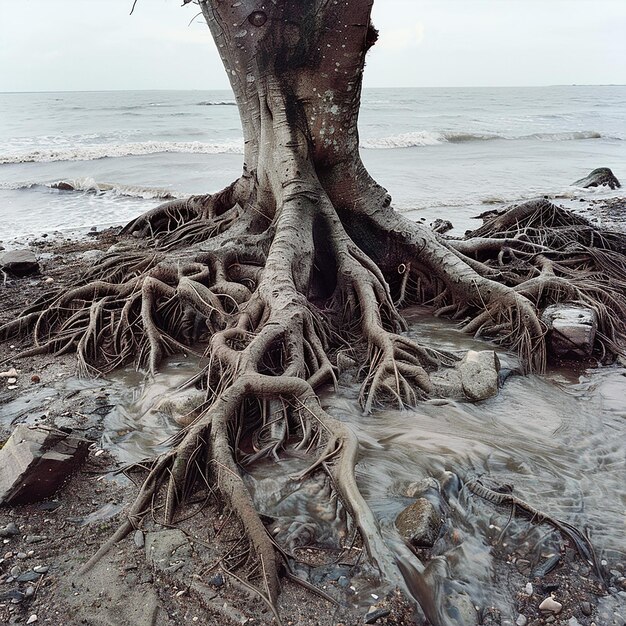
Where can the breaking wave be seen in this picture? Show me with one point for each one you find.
(102, 151)
(89, 185)
(216, 103)
(90, 152)
(427, 138)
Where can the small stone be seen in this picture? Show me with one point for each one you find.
(550, 604)
(9, 530)
(139, 539)
(586, 608)
(374, 615)
(28, 577)
(521, 620)
(573, 622)
(32, 619)
(529, 589)
(35, 379)
(35, 538)
(29, 592)
(41, 569)
(217, 580)
(11, 381)
(16, 570)
(49, 280)
(21, 555)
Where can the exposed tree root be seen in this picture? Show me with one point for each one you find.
(269, 313)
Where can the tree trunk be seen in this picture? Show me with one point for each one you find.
(301, 258)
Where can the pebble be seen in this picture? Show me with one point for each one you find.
(139, 539)
(35, 379)
(373, 615)
(550, 604)
(217, 580)
(41, 569)
(21, 555)
(29, 592)
(529, 589)
(585, 607)
(521, 620)
(32, 619)
(9, 530)
(11, 381)
(35, 538)
(16, 570)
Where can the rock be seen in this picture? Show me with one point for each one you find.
(217, 580)
(529, 589)
(419, 523)
(571, 330)
(550, 604)
(32, 619)
(521, 620)
(441, 226)
(35, 538)
(9, 530)
(598, 177)
(586, 608)
(547, 566)
(90, 256)
(479, 374)
(374, 614)
(28, 577)
(36, 462)
(41, 569)
(12, 373)
(139, 539)
(462, 610)
(19, 263)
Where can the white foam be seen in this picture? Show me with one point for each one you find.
(90, 185)
(102, 151)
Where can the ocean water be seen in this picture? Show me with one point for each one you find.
(439, 152)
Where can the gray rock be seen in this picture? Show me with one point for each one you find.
(419, 523)
(9, 530)
(462, 610)
(479, 374)
(139, 539)
(571, 330)
(586, 608)
(373, 615)
(19, 262)
(36, 462)
(598, 177)
(90, 256)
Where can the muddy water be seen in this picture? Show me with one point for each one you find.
(559, 440)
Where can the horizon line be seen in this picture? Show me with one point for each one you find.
(364, 88)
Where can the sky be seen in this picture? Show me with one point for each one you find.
(58, 45)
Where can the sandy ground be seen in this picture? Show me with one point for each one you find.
(173, 576)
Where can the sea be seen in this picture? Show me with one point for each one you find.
(440, 152)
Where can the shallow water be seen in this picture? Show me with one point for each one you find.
(559, 440)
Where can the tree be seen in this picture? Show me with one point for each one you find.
(303, 259)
